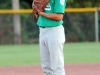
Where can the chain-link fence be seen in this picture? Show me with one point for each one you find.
(79, 27)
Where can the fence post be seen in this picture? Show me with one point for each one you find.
(96, 26)
(16, 23)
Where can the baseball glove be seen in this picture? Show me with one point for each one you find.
(39, 5)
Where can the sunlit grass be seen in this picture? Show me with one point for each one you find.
(12, 55)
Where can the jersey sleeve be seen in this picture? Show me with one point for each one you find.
(59, 6)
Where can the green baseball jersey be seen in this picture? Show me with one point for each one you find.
(54, 6)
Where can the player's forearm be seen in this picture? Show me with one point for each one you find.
(53, 16)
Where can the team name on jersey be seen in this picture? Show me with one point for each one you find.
(48, 7)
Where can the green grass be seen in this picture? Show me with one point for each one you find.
(82, 52)
(11, 55)
(19, 55)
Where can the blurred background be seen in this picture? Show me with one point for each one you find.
(19, 27)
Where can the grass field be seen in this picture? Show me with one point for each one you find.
(28, 54)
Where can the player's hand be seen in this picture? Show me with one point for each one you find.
(39, 12)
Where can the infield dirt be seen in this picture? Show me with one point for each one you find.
(71, 69)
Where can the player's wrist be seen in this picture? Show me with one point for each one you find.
(40, 12)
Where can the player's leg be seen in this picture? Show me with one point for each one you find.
(56, 42)
(44, 54)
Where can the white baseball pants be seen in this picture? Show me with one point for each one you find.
(51, 50)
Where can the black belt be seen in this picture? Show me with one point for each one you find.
(44, 27)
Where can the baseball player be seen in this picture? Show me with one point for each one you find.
(52, 37)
